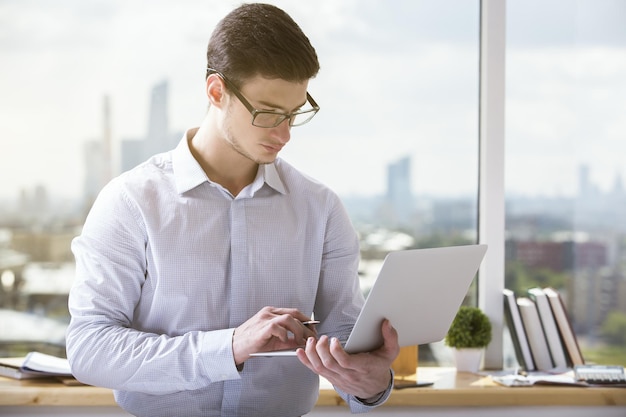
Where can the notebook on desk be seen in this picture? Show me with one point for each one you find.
(419, 291)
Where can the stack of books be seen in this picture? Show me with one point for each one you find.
(542, 333)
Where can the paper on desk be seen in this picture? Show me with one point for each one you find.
(35, 365)
(541, 378)
(40, 363)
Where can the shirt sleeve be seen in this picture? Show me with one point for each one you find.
(103, 346)
(340, 297)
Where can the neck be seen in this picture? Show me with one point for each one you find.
(220, 161)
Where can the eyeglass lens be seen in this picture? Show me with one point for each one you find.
(269, 119)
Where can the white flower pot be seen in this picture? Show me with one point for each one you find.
(468, 359)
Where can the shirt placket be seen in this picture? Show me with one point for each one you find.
(239, 292)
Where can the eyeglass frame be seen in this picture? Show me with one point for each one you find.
(254, 112)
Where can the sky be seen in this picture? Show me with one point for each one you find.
(398, 78)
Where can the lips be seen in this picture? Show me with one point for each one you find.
(273, 148)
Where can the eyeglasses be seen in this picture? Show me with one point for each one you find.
(267, 118)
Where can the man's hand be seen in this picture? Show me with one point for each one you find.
(363, 374)
(271, 329)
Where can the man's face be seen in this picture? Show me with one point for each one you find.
(258, 144)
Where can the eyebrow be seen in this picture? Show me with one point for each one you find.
(275, 106)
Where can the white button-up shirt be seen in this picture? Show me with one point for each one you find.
(169, 263)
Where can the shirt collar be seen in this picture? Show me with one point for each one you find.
(272, 178)
(188, 173)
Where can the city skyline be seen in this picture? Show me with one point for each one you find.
(55, 77)
(131, 152)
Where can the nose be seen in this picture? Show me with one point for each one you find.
(283, 131)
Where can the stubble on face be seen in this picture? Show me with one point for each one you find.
(234, 141)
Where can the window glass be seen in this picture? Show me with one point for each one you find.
(90, 90)
(565, 170)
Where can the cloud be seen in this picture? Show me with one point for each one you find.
(565, 23)
(394, 80)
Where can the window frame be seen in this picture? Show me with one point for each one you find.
(491, 204)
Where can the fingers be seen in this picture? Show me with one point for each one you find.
(327, 354)
(285, 327)
(271, 329)
(293, 312)
(321, 356)
(287, 323)
(361, 374)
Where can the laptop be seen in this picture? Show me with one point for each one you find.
(419, 291)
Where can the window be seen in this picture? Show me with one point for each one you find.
(396, 137)
(96, 89)
(565, 171)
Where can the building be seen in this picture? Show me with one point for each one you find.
(159, 137)
(97, 158)
(399, 199)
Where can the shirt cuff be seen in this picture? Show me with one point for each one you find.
(217, 355)
(358, 405)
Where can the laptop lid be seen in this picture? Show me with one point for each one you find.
(419, 291)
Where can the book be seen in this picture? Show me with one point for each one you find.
(553, 337)
(572, 349)
(534, 332)
(516, 329)
(10, 367)
(35, 365)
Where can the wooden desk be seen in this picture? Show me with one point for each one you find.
(450, 390)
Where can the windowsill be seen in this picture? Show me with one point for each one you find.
(449, 389)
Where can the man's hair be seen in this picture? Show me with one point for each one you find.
(261, 39)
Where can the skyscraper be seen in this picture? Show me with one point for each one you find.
(399, 194)
(159, 137)
(97, 157)
(158, 123)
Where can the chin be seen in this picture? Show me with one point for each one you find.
(266, 159)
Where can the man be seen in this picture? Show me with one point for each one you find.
(218, 249)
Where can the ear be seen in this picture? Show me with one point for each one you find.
(215, 90)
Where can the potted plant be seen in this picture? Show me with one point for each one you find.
(469, 335)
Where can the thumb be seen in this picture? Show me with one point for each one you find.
(390, 337)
